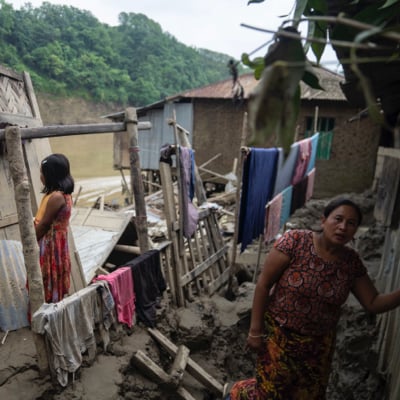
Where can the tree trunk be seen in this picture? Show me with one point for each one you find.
(27, 231)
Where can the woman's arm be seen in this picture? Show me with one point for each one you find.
(54, 204)
(275, 263)
(373, 301)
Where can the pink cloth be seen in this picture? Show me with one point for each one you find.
(303, 159)
(310, 184)
(121, 287)
(273, 218)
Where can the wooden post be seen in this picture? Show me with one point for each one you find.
(136, 179)
(28, 234)
(238, 172)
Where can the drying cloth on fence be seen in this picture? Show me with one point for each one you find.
(272, 218)
(149, 285)
(299, 194)
(258, 180)
(314, 147)
(122, 290)
(13, 294)
(286, 204)
(310, 184)
(69, 327)
(285, 168)
(303, 158)
(190, 213)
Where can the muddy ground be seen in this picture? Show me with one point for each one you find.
(214, 329)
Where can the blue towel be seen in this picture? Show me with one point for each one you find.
(314, 147)
(286, 204)
(258, 180)
(286, 168)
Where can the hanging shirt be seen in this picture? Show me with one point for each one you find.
(285, 169)
(258, 180)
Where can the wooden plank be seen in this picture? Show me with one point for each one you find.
(9, 220)
(31, 96)
(201, 268)
(170, 216)
(157, 374)
(179, 365)
(127, 249)
(388, 188)
(192, 367)
(40, 132)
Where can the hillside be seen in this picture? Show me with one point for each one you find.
(70, 53)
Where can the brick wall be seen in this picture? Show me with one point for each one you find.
(218, 129)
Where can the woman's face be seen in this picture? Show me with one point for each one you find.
(341, 225)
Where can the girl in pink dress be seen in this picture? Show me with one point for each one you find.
(51, 225)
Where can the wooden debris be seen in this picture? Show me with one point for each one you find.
(157, 374)
(192, 367)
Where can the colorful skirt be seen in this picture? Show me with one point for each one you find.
(290, 367)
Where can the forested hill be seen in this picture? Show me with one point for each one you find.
(69, 52)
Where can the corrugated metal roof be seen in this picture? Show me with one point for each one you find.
(95, 234)
(329, 80)
(13, 293)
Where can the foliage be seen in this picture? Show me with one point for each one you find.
(365, 36)
(68, 51)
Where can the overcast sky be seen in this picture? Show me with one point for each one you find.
(209, 24)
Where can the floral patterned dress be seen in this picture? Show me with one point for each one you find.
(55, 261)
(300, 323)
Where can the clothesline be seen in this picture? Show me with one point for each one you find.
(271, 179)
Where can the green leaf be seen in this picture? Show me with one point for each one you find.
(390, 3)
(299, 10)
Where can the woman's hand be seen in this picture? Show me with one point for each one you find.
(255, 342)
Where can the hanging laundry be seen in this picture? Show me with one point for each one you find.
(149, 285)
(122, 290)
(310, 184)
(190, 213)
(287, 194)
(303, 158)
(272, 218)
(258, 180)
(299, 194)
(69, 327)
(314, 147)
(285, 168)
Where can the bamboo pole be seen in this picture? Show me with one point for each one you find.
(70, 130)
(28, 235)
(136, 179)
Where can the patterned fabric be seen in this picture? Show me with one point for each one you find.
(55, 262)
(290, 367)
(309, 295)
(303, 159)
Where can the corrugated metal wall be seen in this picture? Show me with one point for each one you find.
(13, 293)
(150, 142)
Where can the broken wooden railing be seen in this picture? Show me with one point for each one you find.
(172, 381)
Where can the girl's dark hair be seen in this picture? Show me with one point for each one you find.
(56, 173)
(342, 201)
